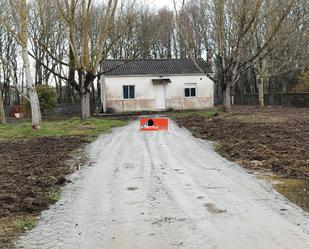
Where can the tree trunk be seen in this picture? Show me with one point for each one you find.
(38, 73)
(85, 105)
(2, 114)
(85, 81)
(227, 98)
(7, 92)
(23, 36)
(34, 99)
(70, 97)
(261, 92)
(93, 98)
(60, 92)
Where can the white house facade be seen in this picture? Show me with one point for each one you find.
(156, 85)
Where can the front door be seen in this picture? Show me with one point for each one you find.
(160, 97)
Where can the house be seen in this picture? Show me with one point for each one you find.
(154, 85)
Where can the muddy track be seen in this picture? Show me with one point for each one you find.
(166, 190)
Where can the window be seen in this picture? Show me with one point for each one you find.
(190, 90)
(129, 92)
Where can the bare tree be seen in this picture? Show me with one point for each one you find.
(285, 52)
(47, 42)
(192, 28)
(86, 50)
(123, 42)
(234, 22)
(164, 19)
(2, 113)
(20, 14)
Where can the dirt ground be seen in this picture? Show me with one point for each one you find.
(273, 140)
(31, 172)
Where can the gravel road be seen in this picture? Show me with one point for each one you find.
(165, 190)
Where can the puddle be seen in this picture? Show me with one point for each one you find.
(296, 190)
(132, 188)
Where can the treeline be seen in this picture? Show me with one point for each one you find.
(255, 46)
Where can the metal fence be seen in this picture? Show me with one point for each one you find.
(63, 110)
(284, 99)
(59, 110)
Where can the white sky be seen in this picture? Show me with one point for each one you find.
(159, 3)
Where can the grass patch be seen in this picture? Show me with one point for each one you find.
(68, 127)
(201, 113)
(27, 223)
(218, 148)
(55, 196)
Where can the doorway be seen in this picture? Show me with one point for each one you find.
(160, 97)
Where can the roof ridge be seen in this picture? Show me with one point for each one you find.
(162, 59)
(154, 66)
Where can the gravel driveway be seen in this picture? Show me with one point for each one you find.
(165, 190)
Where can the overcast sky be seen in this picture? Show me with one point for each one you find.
(160, 3)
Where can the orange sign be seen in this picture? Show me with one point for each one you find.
(154, 124)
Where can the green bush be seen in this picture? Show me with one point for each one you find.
(47, 97)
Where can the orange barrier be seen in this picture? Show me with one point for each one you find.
(154, 124)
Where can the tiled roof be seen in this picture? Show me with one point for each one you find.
(154, 67)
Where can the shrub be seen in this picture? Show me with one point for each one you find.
(303, 82)
(47, 97)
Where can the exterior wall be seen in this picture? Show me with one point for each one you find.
(145, 93)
